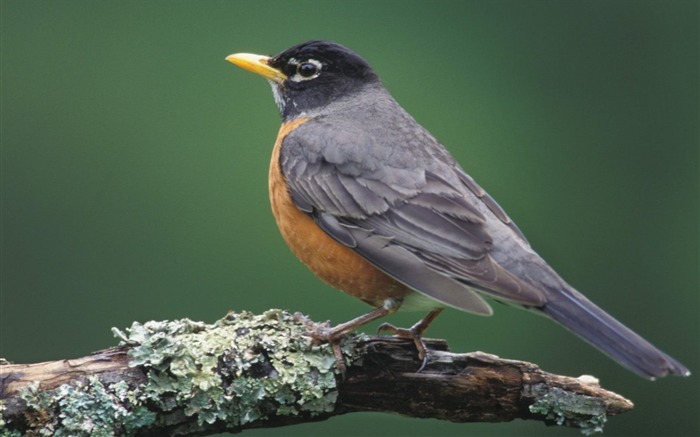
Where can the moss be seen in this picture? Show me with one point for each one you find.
(566, 408)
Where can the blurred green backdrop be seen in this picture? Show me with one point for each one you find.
(134, 172)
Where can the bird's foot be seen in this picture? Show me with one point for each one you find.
(414, 333)
(325, 333)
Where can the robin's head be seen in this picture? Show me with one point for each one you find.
(310, 75)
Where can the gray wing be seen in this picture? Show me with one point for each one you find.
(420, 219)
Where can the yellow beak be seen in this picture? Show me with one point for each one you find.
(257, 64)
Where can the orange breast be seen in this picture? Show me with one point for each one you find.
(332, 262)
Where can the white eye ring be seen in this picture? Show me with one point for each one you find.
(304, 65)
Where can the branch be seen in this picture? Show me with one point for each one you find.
(251, 371)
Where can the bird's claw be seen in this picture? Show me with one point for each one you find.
(323, 333)
(409, 333)
(414, 333)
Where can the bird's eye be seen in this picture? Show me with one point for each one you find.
(307, 69)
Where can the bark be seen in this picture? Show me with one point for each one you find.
(250, 371)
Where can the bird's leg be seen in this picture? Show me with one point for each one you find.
(415, 333)
(323, 332)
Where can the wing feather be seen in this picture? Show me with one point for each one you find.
(426, 228)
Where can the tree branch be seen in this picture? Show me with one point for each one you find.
(249, 371)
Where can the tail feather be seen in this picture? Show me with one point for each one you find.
(581, 316)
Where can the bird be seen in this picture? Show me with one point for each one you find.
(375, 206)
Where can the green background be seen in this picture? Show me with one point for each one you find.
(134, 172)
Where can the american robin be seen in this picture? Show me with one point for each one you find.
(375, 206)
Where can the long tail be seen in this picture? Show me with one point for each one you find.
(571, 309)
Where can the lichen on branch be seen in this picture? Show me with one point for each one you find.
(244, 371)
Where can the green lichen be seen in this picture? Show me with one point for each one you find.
(4, 432)
(243, 368)
(138, 416)
(85, 409)
(566, 408)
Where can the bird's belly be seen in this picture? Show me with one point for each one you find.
(333, 262)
